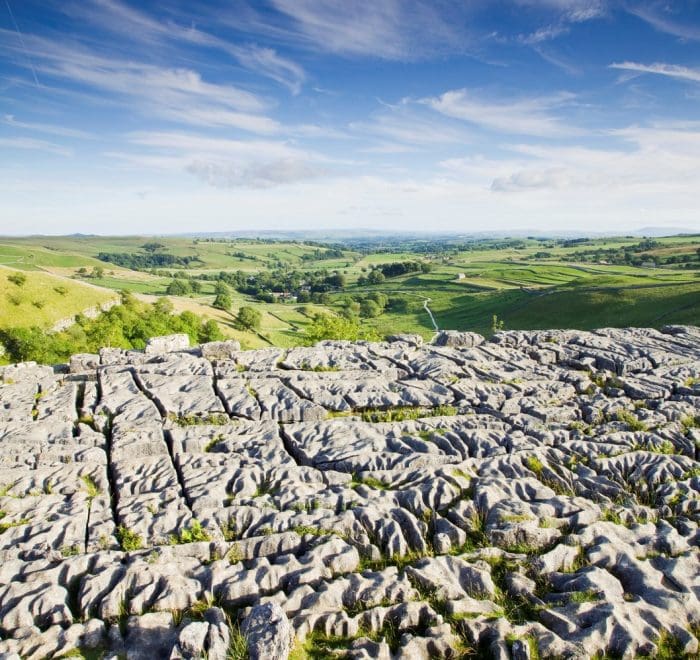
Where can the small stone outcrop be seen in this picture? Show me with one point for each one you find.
(535, 494)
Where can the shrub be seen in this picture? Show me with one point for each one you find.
(191, 534)
(223, 301)
(128, 539)
(18, 279)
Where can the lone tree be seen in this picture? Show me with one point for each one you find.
(249, 318)
(223, 301)
(152, 247)
(178, 287)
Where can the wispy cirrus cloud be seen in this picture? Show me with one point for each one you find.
(661, 69)
(177, 94)
(137, 26)
(391, 29)
(534, 116)
(662, 16)
(132, 78)
(51, 129)
(400, 129)
(35, 145)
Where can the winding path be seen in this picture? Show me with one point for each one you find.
(432, 318)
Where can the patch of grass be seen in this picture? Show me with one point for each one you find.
(86, 654)
(90, 486)
(529, 640)
(371, 482)
(334, 414)
(668, 647)
(632, 422)
(400, 561)
(198, 608)
(215, 419)
(192, 534)
(690, 422)
(238, 645)
(235, 554)
(664, 447)
(4, 526)
(586, 429)
(587, 596)
(578, 563)
(690, 474)
(213, 442)
(534, 464)
(70, 550)
(302, 530)
(89, 420)
(128, 539)
(306, 366)
(515, 517)
(402, 414)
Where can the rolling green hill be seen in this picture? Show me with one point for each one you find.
(526, 283)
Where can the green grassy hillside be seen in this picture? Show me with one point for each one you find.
(42, 299)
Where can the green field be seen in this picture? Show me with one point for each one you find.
(526, 283)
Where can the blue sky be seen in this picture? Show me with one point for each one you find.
(445, 115)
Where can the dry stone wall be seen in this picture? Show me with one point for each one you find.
(532, 494)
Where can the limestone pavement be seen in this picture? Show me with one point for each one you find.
(536, 494)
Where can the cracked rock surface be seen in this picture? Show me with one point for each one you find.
(536, 494)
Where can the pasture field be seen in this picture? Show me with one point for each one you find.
(526, 283)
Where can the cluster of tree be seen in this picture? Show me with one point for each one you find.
(319, 255)
(382, 271)
(128, 325)
(637, 255)
(181, 286)
(329, 326)
(148, 260)
(242, 255)
(263, 285)
(368, 307)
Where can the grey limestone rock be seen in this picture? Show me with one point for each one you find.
(458, 339)
(167, 344)
(268, 633)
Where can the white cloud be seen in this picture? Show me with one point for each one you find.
(662, 158)
(223, 162)
(132, 24)
(35, 145)
(546, 33)
(526, 116)
(575, 11)
(391, 29)
(659, 16)
(659, 68)
(254, 175)
(51, 129)
(403, 128)
(159, 86)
